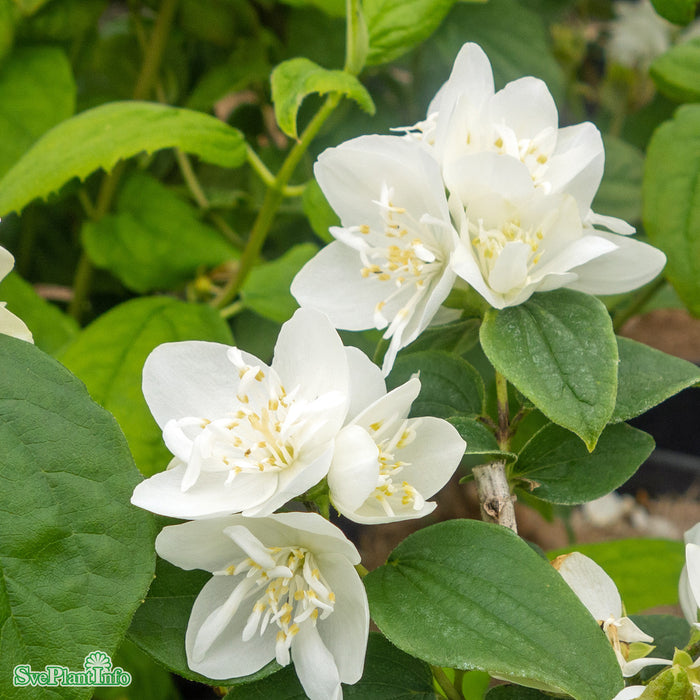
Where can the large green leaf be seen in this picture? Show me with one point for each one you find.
(672, 200)
(155, 240)
(51, 328)
(109, 355)
(629, 563)
(389, 674)
(676, 72)
(101, 136)
(293, 80)
(75, 557)
(676, 11)
(646, 377)
(467, 594)
(395, 26)
(38, 91)
(565, 472)
(559, 350)
(620, 192)
(159, 626)
(266, 290)
(449, 384)
(514, 692)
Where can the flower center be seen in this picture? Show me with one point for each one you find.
(534, 153)
(264, 434)
(289, 588)
(392, 493)
(405, 254)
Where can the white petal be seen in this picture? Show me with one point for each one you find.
(692, 535)
(292, 481)
(632, 668)
(14, 326)
(332, 282)
(464, 265)
(577, 254)
(396, 403)
(591, 584)
(366, 381)
(199, 544)
(692, 564)
(577, 164)
(630, 692)
(510, 270)
(345, 631)
(434, 455)
(190, 378)
(612, 223)
(354, 470)
(686, 598)
(526, 106)
(353, 174)
(628, 632)
(315, 665)
(632, 265)
(7, 262)
(228, 656)
(310, 354)
(208, 497)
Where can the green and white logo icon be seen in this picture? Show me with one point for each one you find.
(97, 671)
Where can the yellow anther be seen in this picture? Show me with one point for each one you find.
(498, 143)
(364, 229)
(259, 376)
(542, 159)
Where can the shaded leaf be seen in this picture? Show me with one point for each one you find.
(675, 72)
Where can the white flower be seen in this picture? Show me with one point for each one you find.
(517, 240)
(386, 465)
(281, 584)
(689, 584)
(9, 323)
(389, 267)
(638, 34)
(467, 116)
(247, 437)
(630, 692)
(597, 591)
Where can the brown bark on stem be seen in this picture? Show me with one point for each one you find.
(495, 498)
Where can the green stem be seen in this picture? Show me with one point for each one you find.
(444, 682)
(639, 303)
(503, 411)
(267, 177)
(145, 82)
(191, 180)
(273, 199)
(232, 309)
(356, 39)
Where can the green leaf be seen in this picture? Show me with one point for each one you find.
(109, 354)
(671, 194)
(155, 240)
(319, 212)
(159, 625)
(676, 11)
(38, 91)
(669, 633)
(620, 192)
(457, 337)
(449, 384)
(559, 350)
(628, 563)
(480, 440)
(568, 474)
(514, 692)
(100, 137)
(389, 674)
(64, 21)
(51, 328)
(75, 557)
(396, 26)
(293, 80)
(266, 291)
(646, 377)
(334, 8)
(467, 594)
(676, 71)
(671, 684)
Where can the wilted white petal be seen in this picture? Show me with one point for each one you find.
(632, 668)
(14, 326)
(630, 692)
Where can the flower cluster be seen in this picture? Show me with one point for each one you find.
(9, 323)
(248, 438)
(487, 190)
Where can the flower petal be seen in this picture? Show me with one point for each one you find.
(630, 692)
(210, 496)
(191, 378)
(632, 668)
(7, 262)
(315, 666)
(366, 381)
(14, 326)
(396, 403)
(591, 584)
(345, 631)
(354, 470)
(227, 656)
(630, 266)
(526, 106)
